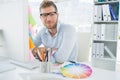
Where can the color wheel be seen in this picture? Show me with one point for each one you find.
(76, 70)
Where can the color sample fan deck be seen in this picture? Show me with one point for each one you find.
(76, 70)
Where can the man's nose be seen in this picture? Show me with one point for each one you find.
(48, 17)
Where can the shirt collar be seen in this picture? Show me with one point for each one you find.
(58, 29)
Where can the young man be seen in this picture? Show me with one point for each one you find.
(55, 35)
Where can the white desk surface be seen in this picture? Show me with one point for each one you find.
(98, 74)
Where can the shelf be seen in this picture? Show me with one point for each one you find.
(106, 29)
(105, 40)
(107, 2)
(106, 22)
(106, 59)
(104, 63)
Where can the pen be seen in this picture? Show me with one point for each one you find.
(37, 54)
(46, 55)
(42, 54)
(72, 61)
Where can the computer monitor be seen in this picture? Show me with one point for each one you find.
(14, 21)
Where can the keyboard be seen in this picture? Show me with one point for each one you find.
(6, 66)
(41, 76)
(27, 65)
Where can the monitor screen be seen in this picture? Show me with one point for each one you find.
(14, 19)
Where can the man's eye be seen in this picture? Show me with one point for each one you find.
(51, 14)
(45, 15)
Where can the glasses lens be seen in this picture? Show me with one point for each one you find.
(52, 14)
(46, 14)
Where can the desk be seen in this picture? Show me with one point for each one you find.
(98, 74)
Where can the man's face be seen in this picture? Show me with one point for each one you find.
(49, 17)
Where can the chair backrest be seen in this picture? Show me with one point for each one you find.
(84, 42)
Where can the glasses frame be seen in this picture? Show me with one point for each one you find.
(44, 15)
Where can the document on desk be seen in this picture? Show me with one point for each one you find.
(42, 76)
(6, 66)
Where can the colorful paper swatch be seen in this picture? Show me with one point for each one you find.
(76, 70)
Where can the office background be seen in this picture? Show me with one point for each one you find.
(15, 13)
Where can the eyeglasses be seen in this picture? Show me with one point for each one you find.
(51, 14)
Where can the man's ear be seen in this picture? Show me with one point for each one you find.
(58, 14)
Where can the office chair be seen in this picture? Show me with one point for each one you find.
(84, 42)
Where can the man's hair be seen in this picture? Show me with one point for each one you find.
(47, 3)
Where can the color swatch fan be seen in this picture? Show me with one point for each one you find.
(76, 70)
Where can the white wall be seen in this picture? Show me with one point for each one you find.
(13, 19)
(75, 12)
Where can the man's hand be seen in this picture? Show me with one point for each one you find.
(42, 52)
(34, 51)
(39, 52)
